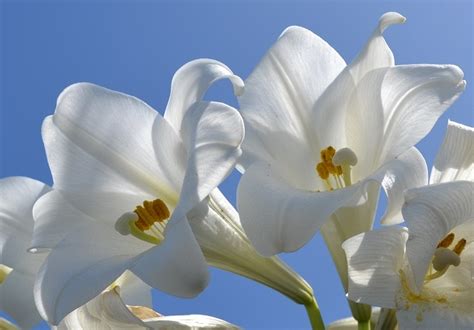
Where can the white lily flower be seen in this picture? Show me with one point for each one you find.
(109, 311)
(321, 136)
(109, 152)
(18, 267)
(425, 271)
(131, 177)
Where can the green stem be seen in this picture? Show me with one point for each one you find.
(363, 325)
(314, 315)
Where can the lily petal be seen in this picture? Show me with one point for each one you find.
(188, 322)
(212, 133)
(99, 139)
(177, 265)
(16, 298)
(280, 93)
(374, 259)
(413, 98)
(376, 53)
(431, 212)
(287, 217)
(407, 171)
(64, 283)
(191, 82)
(335, 103)
(455, 158)
(106, 311)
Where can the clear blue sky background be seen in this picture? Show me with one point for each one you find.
(136, 46)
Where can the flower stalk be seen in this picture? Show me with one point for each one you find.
(314, 315)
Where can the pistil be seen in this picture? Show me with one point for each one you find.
(336, 165)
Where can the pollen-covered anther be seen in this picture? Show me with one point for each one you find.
(446, 242)
(322, 170)
(460, 246)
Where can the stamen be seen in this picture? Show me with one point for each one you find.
(446, 242)
(322, 170)
(149, 217)
(460, 246)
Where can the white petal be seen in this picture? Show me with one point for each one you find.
(212, 133)
(455, 158)
(80, 267)
(433, 317)
(374, 259)
(18, 197)
(376, 53)
(177, 266)
(191, 82)
(431, 212)
(341, 103)
(106, 311)
(99, 139)
(280, 94)
(413, 98)
(188, 322)
(55, 218)
(16, 298)
(407, 171)
(277, 217)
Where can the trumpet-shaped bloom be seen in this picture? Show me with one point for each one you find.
(134, 190)
(17, 266)
(425, 271)
(125, 179)
(321, 136)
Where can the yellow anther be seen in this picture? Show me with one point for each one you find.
(151, 212)
(446, 242)
(146, 222)
(327, 154)
(460, 246)
(322, 170)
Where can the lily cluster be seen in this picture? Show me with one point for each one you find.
(135, 195)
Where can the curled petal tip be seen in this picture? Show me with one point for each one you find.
(238, 85)
(390, 18)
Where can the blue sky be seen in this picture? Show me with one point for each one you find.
(136, 46)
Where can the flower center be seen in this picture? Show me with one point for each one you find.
(4, 271)
(335, 167)
(445, 257)
(147, 222)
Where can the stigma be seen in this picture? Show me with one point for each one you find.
(444, 257)
(335, 167)
(147, 222)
